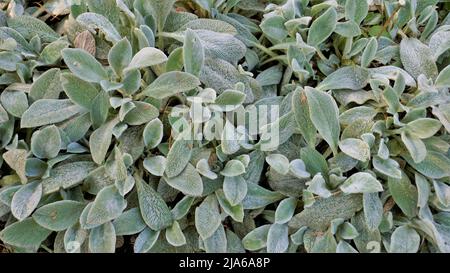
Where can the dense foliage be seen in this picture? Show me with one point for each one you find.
(97, 98)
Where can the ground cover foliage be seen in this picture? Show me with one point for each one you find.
(97, 98)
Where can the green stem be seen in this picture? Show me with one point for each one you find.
(264, 49)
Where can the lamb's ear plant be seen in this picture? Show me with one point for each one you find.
(225, 126)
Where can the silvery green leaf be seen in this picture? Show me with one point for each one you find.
(274, 28)
(302, 116)
(298, 169)
(404, 194)
(67, 175)
(404, 239)
(318, 186)
(129, 222)
(29, 26)
(99, 109)
(324, 210)
(356, 10)
(48, 111)
(74, 237)
(235, 211)
(84, 65)
(355, 148)
(204, 169)
(142, 113)
(47, 86)
(3, 114)
(108, 205)
(278, 162)
(442, 191)
(26, 234)
(258, 197)
(443, 79)
(145, 240)
(314, 161)
(229, 143)
(343, 246)
(14, 102)
(387, 167)
(26, 199)
(235, 189)
(347, 29)
(369, 52)
(59, 215)
(373, 210)
(102, 239)
(100, 140)
(234, 243)
(79, 91)
(46, 142)
(95, 20)
(153, 209)
(193, 53)
(322, 27)
(233, 168)
(182, 207)
(277, 238)
(423, 190)
(217, 242)
(324, 115)
(415, 146)
(257, 238)
(207, 217)
(155, 165)
(147, 56)
(174, 235)
(230, 97)
(347, 231)
(285, 210)
(179, 154)
(132, 81)
(188, 181)
(160, 9)
(416, 58)
(9, 61)
(171, 83)
(153, 133)
(423, 127)
(347, 77)
(442, 113)
(119, 56)
(435, 165)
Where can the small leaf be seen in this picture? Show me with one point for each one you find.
(416, 58)
(236, 212)
(373, 210)
(155, 165)
(102, 239)
(404, 194)
(361, 183)
(83, 65)
(95, 20)
(324, 115)
(171, 83)
(108, 205)
(47, 86)
(26, 234)
(355, 148)
(29, 26)
(67, 175)
(79, 91)
(278, 162)
(153, 133)
(285, 210)
(233, 168)
(147, 56)
(48, 111)
(207, 217)
(120, 55)
(423, 127)
(59, 215)
(347, 77)
(404, 239)
(100, 140)
(145, 240)
(435, 165)
(16, 159)
(235, 189)
(356, 10)
(443, 79)
(369, 52)
(322, 27)
(174, 235)
(179, 154)
(257, 238)
(26, 199)
(154, 210)
(277, 238)
(46, 142)
(387, 167)
(302, 116)
(188, 181)
(415, 146)
(193, 53)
